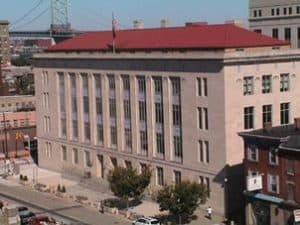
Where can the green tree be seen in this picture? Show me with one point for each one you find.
(182, 199)
(127, 183)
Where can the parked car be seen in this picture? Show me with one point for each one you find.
(41, 220)
(146, 221)
(25, 214)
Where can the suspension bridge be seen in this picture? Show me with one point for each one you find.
(60, 27)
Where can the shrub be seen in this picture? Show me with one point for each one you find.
(21, 177)
(25, 178)
(63, 189)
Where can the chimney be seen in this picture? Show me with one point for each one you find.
(138, 24)
(297, 123)
(165, 23)
(237, 22)
(267, 127)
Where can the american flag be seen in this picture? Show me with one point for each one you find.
(114, 27)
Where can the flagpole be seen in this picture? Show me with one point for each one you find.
(113, 32)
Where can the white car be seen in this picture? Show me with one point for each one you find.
(146, 221)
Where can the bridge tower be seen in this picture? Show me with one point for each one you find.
(60, 16)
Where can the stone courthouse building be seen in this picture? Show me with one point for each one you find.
(172, 98)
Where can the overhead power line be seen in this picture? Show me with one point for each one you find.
(27, 13)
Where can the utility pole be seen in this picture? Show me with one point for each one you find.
(5, 135)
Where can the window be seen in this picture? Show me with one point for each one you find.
(273, 184)
(74, 106)
(87, 157)
(176, 110)
(86, 106)
(259, 13)
(267, 114)
(256, 31)
(63, 127)
(159, 176)
(284, 11)
(48, 149)
(126, 82)
(249, 117)
(143, 167)
(177, 177)
(128, 141)
(252, 153)
(175, 86)
(266, 84)
(284, 113)
(141, 85)
(290, 10)
(111, 82)
(291, 191)
(127, 113)
(290, 169)
(202, 86)
(75, 155)
(248, 85)
(99, 120)
(142, 111)
(203, 151)
(113, 136)
(278, 11)
(273, 12)
(159, 112)
(254, 13)
(143, 141)
(157, 86)
(284, 82)
(112, 108)
(287, 34)
(298, 9)
(64, 153)
(203, 118)
(273, 158)
(160, 143)
(177, 147)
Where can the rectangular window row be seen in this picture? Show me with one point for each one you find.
(248, 84)
(266, 115)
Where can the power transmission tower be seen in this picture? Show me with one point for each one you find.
(60, 16)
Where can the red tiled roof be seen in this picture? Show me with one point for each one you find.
(218, 36)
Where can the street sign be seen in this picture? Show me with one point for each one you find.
(254, 183)
(297, 215)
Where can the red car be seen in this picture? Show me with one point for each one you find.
(39, 219)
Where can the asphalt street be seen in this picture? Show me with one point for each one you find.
(62, 209)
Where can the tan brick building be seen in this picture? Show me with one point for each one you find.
(4, 42)
(173, 98)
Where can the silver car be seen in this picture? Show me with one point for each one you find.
(146, 221)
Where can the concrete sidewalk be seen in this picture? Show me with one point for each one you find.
(97, 190)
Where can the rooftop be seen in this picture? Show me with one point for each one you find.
(277, 132)
(5, 22)
(195, 36)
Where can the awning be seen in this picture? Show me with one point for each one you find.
(264, 197)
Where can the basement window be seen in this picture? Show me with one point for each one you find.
(239, 49)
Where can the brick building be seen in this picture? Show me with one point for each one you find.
(273, 155)
(173, 98)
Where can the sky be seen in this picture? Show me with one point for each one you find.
(97, 14)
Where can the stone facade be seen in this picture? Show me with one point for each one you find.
(212, 151)
(4, 42)
(276, 18)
